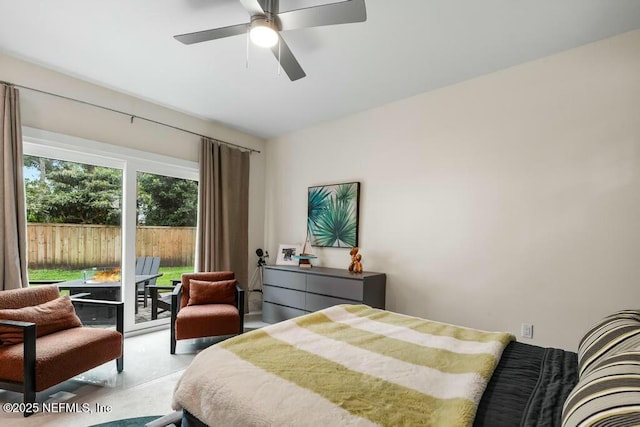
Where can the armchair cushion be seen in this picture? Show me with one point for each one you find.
(49, 317)
(214, 276)
(203, 292)
(209, 320)
(62, 355)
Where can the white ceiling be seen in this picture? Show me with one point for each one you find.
(404, 48)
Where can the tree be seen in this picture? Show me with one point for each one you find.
(76, 193)
(73, 193)
(167, 201)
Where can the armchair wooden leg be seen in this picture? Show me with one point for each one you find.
(29, 399)
(176, 295)
(29, 372)
(240, 294)
(120, 328)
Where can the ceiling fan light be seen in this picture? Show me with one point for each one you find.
(263, 34)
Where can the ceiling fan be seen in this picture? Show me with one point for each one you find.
(267, 22)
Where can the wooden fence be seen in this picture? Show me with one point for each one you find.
(71, 246)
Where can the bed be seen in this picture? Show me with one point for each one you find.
(354, 365)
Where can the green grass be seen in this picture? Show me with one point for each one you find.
(54, 274)
(168, 273)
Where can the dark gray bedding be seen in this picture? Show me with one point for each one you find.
(528, 387)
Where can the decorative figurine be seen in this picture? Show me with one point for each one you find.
(356, 261)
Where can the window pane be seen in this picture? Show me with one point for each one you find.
(166, 229)
(74, 235)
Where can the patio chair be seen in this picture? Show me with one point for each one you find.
(206, 305)
(146, 265)
(43, 343)
(161, 301)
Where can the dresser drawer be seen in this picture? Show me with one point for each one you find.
(283, 296)
(318, 302)
(336, 286)
(284, 279)
(272, 313)
(291, 291)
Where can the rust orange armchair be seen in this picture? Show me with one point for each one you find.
(206, 304)
(43, 343)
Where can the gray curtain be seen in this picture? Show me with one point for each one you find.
(13, 221)
(223, 213)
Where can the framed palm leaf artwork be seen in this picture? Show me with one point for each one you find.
(332, 215)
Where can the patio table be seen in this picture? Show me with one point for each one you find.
(103, 290)
(110, 291)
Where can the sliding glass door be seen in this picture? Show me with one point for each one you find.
(97, 212)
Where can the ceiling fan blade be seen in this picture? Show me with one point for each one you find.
(288, 62)
(254, 7)
(343, 12)
(216, 33)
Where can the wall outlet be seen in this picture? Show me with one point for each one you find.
(526, 330)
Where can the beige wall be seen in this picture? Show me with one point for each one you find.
(511, 198)
(69, 118)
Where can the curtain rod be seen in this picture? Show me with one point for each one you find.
(132, 116)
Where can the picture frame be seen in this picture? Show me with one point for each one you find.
(286, 254)
(333, 215)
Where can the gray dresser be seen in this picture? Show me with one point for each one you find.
(291, 291)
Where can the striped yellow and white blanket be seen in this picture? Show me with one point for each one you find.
(345, 365)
